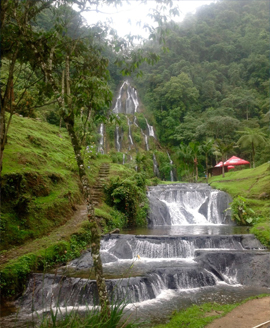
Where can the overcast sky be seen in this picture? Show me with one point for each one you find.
(125, 18)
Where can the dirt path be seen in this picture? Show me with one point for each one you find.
(249, 315)
(60, 233)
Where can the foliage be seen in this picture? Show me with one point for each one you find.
(254, 186)
(241, 213)
(14, 275)
(91, 319)
(128, 196)
(252, 137)
(213, 80)
(38, 165)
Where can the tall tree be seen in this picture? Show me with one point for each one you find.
(222, 149)
(206, 148)
(252, 138)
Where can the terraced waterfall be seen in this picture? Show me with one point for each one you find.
(191, 253)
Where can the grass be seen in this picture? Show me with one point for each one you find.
(198, 316)
(254, 185)
(91, 319)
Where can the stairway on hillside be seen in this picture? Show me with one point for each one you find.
(97, 190)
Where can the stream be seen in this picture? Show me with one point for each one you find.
(190, 253)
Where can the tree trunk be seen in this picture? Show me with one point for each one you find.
(95, 236)
(5, 102)
(253, 155)
(223, 167)
(206, 165)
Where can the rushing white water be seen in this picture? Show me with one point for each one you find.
(118, 144)
(132, 103)
(101, 140)
(151, 132)
(189, 204)
(129, 133)
(171, 162)
(146, 140)
(156, 170)
(118, 105)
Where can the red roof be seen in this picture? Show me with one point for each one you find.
(230, 167)
(219, 164)
(235, 161)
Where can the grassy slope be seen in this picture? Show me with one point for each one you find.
(254, 185)
(39, 181)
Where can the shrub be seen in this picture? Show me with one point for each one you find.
(128, 196)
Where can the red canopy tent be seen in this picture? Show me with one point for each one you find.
(236, 161)
(219, 164)
(230, 167)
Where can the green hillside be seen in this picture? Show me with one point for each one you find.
(253, 185)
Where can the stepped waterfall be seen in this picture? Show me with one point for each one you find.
(160, 269)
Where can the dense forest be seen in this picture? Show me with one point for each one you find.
(212, 83)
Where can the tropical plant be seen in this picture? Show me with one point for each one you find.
(222, 149)
(241, 213)
(206, 148)
(252, 138)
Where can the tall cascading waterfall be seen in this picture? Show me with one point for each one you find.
(101, 140)
(117, 139)
(129, 134)
(156, 170)
(171, 171)
(145, 136)
(126, 103)
(180, 204)
(151, 132)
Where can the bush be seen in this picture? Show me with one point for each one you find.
(128, 196)
(241, 213)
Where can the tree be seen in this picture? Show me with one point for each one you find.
(206, 148)
(195, 150)
(222, 149)
(13, 14)
(252, 137)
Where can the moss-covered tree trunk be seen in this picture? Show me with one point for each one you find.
(95, 236)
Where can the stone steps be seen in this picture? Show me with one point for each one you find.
(97, 190)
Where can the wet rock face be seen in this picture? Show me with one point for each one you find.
(246, 268)
(159, 214)
(185, 203)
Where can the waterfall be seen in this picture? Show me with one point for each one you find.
(156, 170)
(129, 132)
(185, 204)
(124, 157)
(118, 105)
(131, 103)
(151, 132)
(171, 162)
(146, 141)
(117, 139)
(101, 140)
